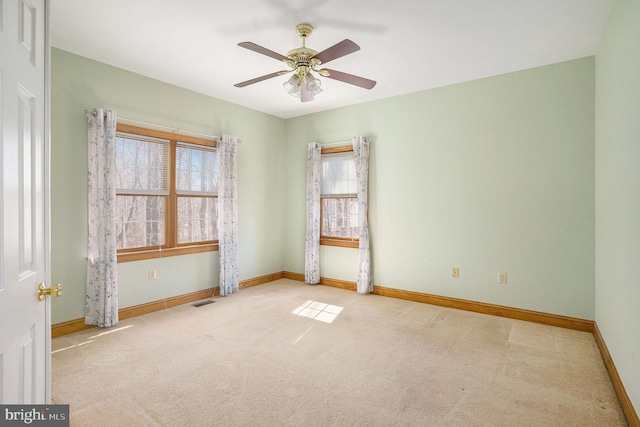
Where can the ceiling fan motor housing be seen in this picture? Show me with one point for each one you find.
(302, 58)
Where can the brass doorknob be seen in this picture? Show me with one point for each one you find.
(54, 291)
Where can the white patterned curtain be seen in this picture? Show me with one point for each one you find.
(361, 155)
(312, 247)
(228, 215)
(101, 302)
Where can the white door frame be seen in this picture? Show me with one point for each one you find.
(47, 192)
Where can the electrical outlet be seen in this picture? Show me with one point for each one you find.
(502, 278)
(153, 275)
(455, 272)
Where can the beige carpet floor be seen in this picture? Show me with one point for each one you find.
(289, 354)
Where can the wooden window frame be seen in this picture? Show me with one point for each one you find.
(171, 246)
(344, 242)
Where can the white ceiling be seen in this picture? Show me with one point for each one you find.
(406, 46)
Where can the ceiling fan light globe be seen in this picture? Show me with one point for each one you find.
(289, 87)
(292, 86)
(295, 91)
(313, 84)
(314, 90)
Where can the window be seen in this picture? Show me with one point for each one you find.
(142, 187)
(338, 199)
(196, 192)
(166, 194)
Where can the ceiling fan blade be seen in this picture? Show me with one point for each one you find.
(336, 51)
(351, 79)
(261, 78)
(263, 50)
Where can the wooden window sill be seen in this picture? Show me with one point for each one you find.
(340, 242)
(161, 253)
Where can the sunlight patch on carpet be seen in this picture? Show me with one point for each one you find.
(72, 346)
(111, 331)
(92, 339)
(318, 311)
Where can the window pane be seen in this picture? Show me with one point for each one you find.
(338, 174)
(196, 170)
(142, 164)
(340, 217)
(197, 219)
(140, 221)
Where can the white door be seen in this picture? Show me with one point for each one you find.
(25, 322)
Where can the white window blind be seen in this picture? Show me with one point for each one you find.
(142, 165)
(338, 175)
(142, 184)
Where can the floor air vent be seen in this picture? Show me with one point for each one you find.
(201, 303)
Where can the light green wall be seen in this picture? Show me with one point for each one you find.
(491, 175)
(618, 191)
(78, 84)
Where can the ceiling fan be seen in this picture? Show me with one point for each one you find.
(302, 61)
